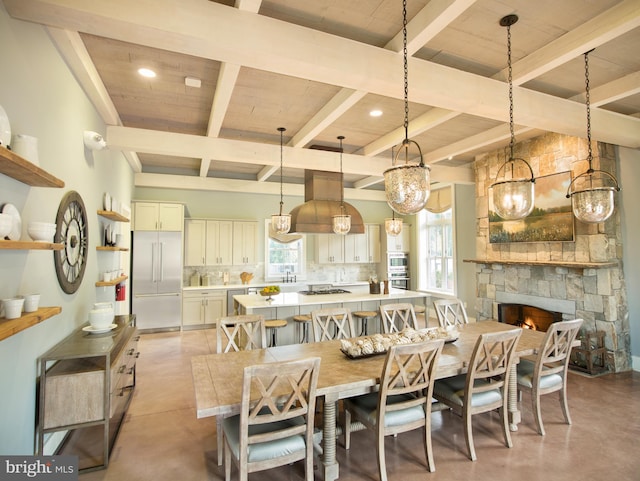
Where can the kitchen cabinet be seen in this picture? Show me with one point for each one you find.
(208, 242)
(155, 216)
(363, 248)
(203, 307)
(245, 243)
(330, 249)
(399, 243)
(349, 249)
(86, 385)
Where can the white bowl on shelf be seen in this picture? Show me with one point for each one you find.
(41, 231)
(13, 307)
(6, 223)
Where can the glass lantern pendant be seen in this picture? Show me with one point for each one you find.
(342, 221)
(407, 187)
(281, 223)
(393, 226)
(513, 196)
(591, 193)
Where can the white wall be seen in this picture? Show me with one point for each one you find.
(42, 99)
(629, 200)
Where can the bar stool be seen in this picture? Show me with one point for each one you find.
(303, 321)
(274, 325)
(364, 317)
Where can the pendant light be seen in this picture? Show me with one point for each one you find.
(591, 193)
(406, 186)
(281, 223)
(513, 196)
(341, 222)
(393, 226)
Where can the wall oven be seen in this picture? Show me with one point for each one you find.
(398, 270)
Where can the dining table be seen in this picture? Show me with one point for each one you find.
(217, 378)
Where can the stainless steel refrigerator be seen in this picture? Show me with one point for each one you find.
(156, 279)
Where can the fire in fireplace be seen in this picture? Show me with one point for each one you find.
(527, 317)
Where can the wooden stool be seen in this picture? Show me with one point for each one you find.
(303, 321)
(364, 317)
(274, 325)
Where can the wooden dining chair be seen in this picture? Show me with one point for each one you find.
(403, 402)
(333, 323)
(238, 333)
(450, 312)
(485, 386)
(396, 317)
(547, 372)
(275, 426)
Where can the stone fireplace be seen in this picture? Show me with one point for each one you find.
(579, 279)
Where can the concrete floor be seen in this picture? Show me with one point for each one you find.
(161, 438)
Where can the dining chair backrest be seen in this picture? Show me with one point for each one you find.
(408, 369)
(489, 366)
(276, 424)
(240, 333)
(450, 312)
(397, 317)
(333, 323)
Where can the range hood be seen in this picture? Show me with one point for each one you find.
(322, 194)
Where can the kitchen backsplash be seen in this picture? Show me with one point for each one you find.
(316, 273)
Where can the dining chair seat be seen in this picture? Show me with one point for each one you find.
(525, 376)
(452, 389)
(366, 406)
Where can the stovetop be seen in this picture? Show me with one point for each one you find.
(324, 291)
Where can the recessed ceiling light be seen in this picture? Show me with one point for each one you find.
(146, 72)
(375, 113)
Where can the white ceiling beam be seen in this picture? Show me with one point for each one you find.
(164, 181)
(615, 90)
(203, 29)
(266, 172)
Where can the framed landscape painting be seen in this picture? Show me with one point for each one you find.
(550, 221)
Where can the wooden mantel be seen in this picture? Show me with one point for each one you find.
(567, 264)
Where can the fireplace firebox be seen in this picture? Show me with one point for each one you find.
(527, 317)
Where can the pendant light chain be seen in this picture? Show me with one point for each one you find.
(341, 138)
(406, 70)
(588, 101)
(281, 129)
(510, 80)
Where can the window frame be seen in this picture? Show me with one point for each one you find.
(301, 272)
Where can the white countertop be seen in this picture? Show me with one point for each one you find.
(292, 299)
(258, 285)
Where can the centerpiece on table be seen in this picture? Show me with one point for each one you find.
(269, 292)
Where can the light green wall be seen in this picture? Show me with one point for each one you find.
(465, 219)
(43, 99)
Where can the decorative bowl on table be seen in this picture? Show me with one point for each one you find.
(269, 292)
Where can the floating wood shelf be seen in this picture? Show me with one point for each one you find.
(30, 245)
(112, 282)
(9, 327)
(568, 264)
(21, 169)
(109, 214)
(111, 248)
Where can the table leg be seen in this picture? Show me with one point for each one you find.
(514, 412)
(329, 462)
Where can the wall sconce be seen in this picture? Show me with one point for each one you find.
(93, 140)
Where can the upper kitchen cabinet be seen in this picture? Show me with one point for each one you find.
(330, 249)
(399, 243)
(245, 242)
(154, 216)
(208, 242)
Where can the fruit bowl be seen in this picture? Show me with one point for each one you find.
(269, 292)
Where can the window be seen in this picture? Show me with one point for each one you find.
(284, 257)
(436, 267)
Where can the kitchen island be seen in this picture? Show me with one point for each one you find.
(288, 304)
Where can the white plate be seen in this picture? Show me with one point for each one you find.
(5, 128)
(93, 330)
(16, 229)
